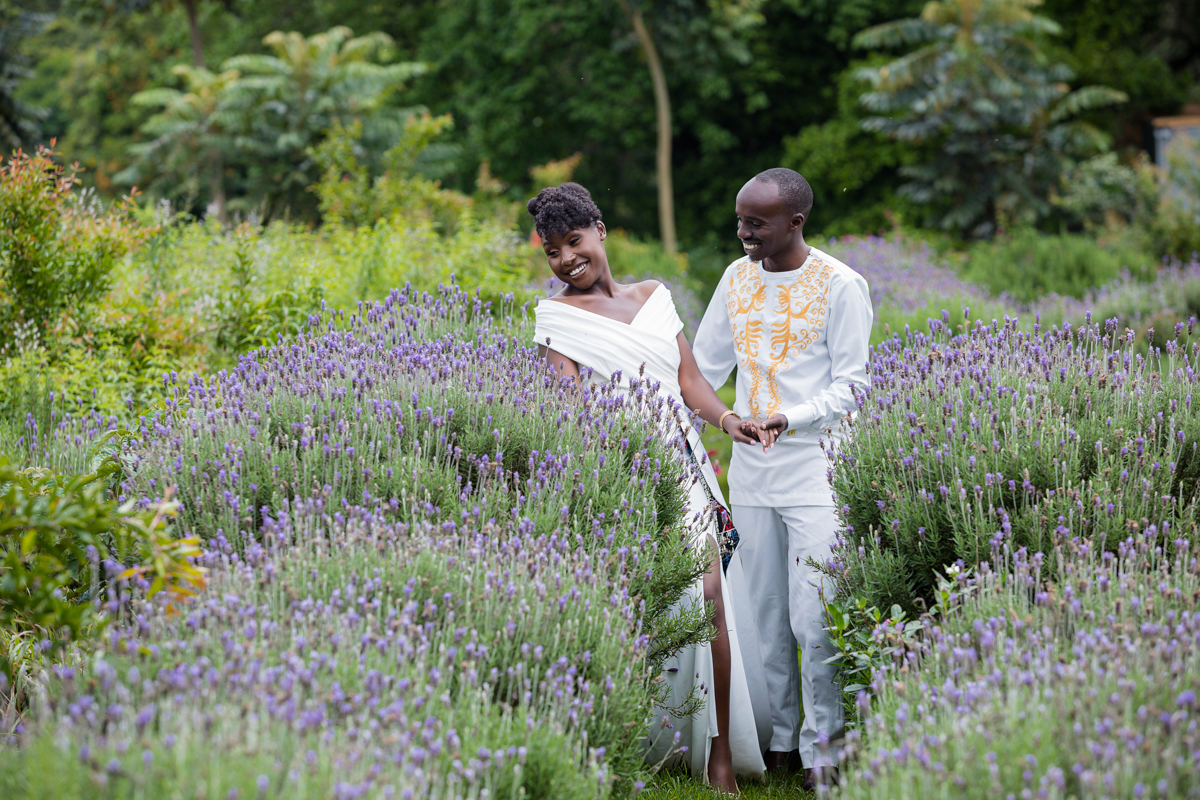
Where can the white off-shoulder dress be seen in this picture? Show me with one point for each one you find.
(648, 346)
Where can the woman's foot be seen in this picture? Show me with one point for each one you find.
(720, 767)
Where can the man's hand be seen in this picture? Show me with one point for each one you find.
(769, 430)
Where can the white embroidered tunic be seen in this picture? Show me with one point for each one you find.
(799, 340)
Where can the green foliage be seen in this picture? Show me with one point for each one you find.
(191, 135)
(263, 113)
(1102, 192)
(350, 196)
(246, 319)
(866, 642)
(854, 172)
(519, 99)
(57, 251)
(1132, 47)
(18, 122)
(629, 255)
(1000, 437)
(57, 533)
(1027, 264)
(731, 113)
(976, 86)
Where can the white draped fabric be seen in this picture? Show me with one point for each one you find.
(648, 345)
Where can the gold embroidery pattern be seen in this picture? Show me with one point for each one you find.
(747, 294)
(802, 306)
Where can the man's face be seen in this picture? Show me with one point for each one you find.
(765, 224)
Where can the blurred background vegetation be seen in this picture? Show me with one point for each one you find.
(205, 102)
(240, 164)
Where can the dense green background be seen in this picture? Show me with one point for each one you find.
(528, 82)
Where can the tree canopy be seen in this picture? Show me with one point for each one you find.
(751, 84)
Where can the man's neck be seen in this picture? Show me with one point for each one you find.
(791, 259)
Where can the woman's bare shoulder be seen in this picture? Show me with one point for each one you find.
(644, 289)
(565, 299)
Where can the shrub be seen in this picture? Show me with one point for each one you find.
(909, 283)
(462, 573)
(866, 642)
(1002, 434)
(350, 196)
(1151, 309)
(1101, 192)
(1082, 685)
(57, 251)
(62, 541)
(1029, 264)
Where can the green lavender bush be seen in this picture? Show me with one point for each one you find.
(1005, 433)
(1068, 673)
(432, 569)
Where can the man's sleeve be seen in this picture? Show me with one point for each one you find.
(714, 351)
(848, 339)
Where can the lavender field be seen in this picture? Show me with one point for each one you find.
(432, 572)
(1037, 491)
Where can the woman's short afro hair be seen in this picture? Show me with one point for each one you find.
(558, 209)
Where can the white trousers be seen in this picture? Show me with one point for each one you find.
(784, 593)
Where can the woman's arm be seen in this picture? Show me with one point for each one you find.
(701, 398)
(565, 367)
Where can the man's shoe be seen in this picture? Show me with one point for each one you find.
(813, 778)
(778, 761)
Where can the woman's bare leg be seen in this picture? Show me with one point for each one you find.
(720, 759)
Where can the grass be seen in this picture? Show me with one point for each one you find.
(681, 786)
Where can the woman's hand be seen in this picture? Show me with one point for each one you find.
(769, 430)
(749, 428)
(743, 431)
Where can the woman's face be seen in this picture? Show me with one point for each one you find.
(577, 257)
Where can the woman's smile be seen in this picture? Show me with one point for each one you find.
(577, 270)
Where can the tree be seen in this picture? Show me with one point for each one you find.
(190, 122)
(735, 16)
(521, 95)
(284, 103)
(978, 86)
(662, 118)
(263, 113)
(106, 9)
(18, 121)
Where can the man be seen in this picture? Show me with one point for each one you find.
(796, 323)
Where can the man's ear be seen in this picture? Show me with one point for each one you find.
(797, 221)
(602, 230)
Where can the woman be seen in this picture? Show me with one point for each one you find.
(598, 323)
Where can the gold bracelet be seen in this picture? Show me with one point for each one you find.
(721, 421)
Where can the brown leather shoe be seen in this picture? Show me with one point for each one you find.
(778, 761)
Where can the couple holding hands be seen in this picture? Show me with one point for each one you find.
(796, 323)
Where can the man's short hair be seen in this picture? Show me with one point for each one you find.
(793, 189)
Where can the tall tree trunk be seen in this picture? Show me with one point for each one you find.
(216, 165)
(662, 114)
(194, 31)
